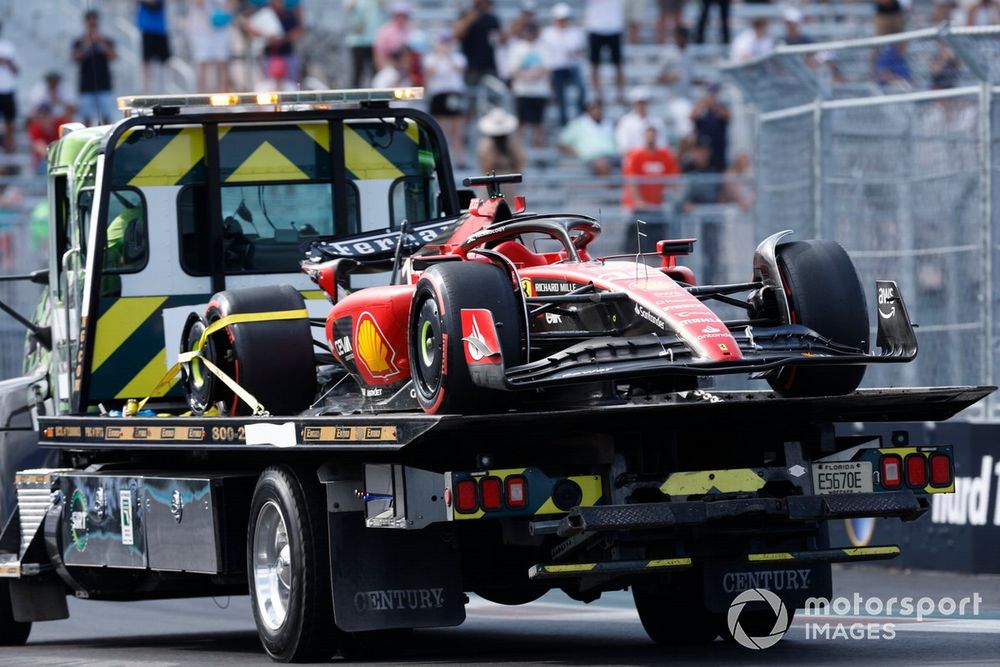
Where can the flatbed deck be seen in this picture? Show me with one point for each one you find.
(392, 431)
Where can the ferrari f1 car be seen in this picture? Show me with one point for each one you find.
(504, 304)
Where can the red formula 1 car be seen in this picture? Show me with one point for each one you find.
(488, 312)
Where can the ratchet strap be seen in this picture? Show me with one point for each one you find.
(218, 325)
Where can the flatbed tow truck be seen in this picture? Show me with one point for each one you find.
(351, 529)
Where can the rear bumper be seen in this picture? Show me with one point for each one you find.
(904, 505)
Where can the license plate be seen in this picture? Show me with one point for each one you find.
(846, 477)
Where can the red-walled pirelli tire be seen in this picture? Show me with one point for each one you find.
(273, 360)
(824, 294)
(12, 633)
(437, 355)
(288, 563)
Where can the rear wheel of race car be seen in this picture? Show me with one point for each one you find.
(824, 294)
(12, 633)
(437, 356)
(272, 359)
(289, 567)
(673, 612)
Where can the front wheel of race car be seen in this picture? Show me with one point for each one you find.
(824, 294)
(438, 365)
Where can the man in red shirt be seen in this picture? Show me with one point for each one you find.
(647, 173)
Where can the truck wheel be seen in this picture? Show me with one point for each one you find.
(437, 355)
(824, 294)
(674, 616)
(273, 360)
(12, 633)
(289, 568)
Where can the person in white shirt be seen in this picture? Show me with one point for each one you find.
(564, 45)
(753, 42)
(9, 69)
(444, 79)
(630, 133)
(604, 21)
(529, 77)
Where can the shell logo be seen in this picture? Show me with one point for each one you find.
(372, 348)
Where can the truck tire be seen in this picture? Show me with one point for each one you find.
(12, 633)
(824, 294)
(437, 356)
(288, 565)
(273, 360)
(674, 615)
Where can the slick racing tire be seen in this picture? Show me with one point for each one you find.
(288, 564)
(273, 360)
(824, 294)
(12, 633)
(438, 365)
(673, 614)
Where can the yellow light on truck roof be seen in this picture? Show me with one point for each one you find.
(134, 104)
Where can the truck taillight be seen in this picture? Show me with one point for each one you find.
(517, 492)
(466, 500)
(492, 493)
(892, 471)
(940, 465)
(916, 470)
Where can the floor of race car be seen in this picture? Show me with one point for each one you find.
(553, 630)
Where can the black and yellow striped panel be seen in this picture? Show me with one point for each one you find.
(268, 153)
(841, 555)
(571, 570)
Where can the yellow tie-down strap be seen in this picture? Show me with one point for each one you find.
(218, 325)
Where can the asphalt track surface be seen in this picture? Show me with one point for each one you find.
(552, 631)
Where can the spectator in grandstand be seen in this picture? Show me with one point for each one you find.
(530, 82)
(670, 18)
(94, 51)
(754, 42)
(983, 12)
(793, 27)
(737, 188)
(711, 123)
(648, 172)
(364, 17)
(945, 68)
(564, 45)
(630, 133)
(528, 14)
(499, 149)
(590, 138)
(393, 35)
(604, 21)
(891, 67)
(208, 26)
(52, 91)
(479, 31)
(696, 162)
(444, 73)
(396, 72)
(281, 62)
(151, 19)
(890, 16)
(676, 63)
(43, 129)
(9, 69)
(706, 8)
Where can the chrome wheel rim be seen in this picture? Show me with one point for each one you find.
(272, 566)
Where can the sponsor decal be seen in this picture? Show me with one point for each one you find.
(553, 287)
(723, 348)
(698, 320)
(553, 318)
(777, 607)
(527, 287)
(482, 345)
(650, 284)
(373, 349)
(78, 520)
(710, 330)
(343, 346)
(386, 241)
(399, 599)
(886, 301)
(774, 580)
(125, 500)
(374, 392)
(649, 317)
(177, 506)
(712, 335)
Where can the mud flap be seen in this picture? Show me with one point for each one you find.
(386, 579)
(793, 583)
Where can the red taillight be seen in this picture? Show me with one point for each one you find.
(492, 493)
(916, 470)
(892, 471)
(517, 492)
(940, 470)
(465, 496)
